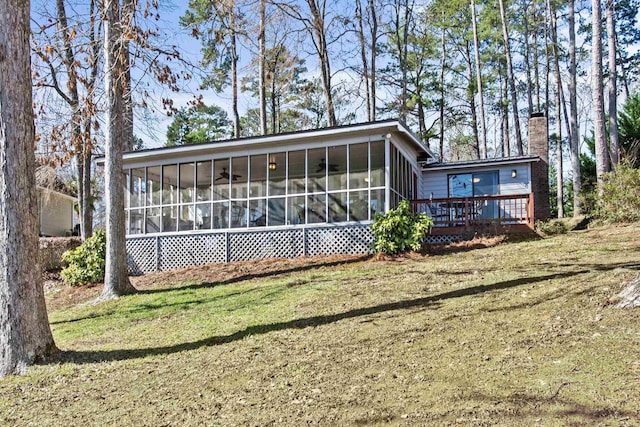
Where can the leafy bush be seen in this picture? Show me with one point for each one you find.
(399, 230)
(619, 199)
(86, 262)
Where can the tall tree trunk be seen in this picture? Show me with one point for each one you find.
(128, 10)
(116, 280)
(559, 104)
(623, 73)
(234, 72)
(86, 208)
(374, 55)
(476, 49)
(25, 335)
(573, 105)
(363, 57)
(443, 64)
(511, 80)
(275, 124)
(536, 61)
(77, 141)
(472, 103)
(402, 17)
(602, 155)
(318, 24)
(261, 70)
(614, 145)
(527, 56)
(504, 127)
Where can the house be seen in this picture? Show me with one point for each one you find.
(55, 204)
(305, 193)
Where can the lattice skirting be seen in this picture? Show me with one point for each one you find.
(446, 238)
(160, 253)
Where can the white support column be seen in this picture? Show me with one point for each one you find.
(387, 173)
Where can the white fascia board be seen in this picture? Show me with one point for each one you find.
(57, 193)
(277, 140)
(481, 164)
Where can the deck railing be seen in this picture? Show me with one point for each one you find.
(468, 212)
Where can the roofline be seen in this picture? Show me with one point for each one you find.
(477, 163)
(48, 190)
(389, 124)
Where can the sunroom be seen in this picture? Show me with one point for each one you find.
(303, 193)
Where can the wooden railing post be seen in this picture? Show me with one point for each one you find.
(466, 212)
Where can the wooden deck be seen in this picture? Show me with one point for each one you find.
(496, 214)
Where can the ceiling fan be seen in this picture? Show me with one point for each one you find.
(323, 165)
(225, 175)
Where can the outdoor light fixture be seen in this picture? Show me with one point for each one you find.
(273, 165)
(514, 173)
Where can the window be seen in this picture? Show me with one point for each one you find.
(203, 181)
(473, 184)
(277, 174)
(309, 186)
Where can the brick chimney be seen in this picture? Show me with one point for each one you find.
(539, 146)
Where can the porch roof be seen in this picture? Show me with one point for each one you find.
(379, 128)
(480, 163)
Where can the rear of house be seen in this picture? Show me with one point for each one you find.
(297, 194)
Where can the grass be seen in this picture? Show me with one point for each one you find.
(517, 334)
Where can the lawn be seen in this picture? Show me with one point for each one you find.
(520, 333)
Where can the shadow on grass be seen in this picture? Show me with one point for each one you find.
(423, 302)
(250, 276)
(559, 407)
(149, 306)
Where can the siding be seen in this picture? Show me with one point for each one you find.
(56, 214)
(436, 181)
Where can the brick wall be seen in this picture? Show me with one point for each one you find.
(539, 146)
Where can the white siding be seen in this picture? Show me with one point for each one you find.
(436, 181)
(56, 214)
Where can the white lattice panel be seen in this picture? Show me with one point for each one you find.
(245, 246)
(339, 240)
(141, 255)
(448, 238)
(189, 250)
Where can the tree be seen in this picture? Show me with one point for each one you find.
(70, 55)
(316, 23)
(573, 105)
(511, 79)
(116, 279)
(613, 84)
(198, 124)
(25, 335)
(629, 125)
(602, 154)
(261, 68)
(218, 24)
(476, 50)
(283, 83)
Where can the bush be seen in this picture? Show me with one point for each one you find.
(399, 230)
(86, 262)
(619, 200)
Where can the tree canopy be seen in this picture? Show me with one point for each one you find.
(198, 124)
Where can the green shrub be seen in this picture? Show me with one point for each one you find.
(399, 230)
(619, 199)
(86, 262)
